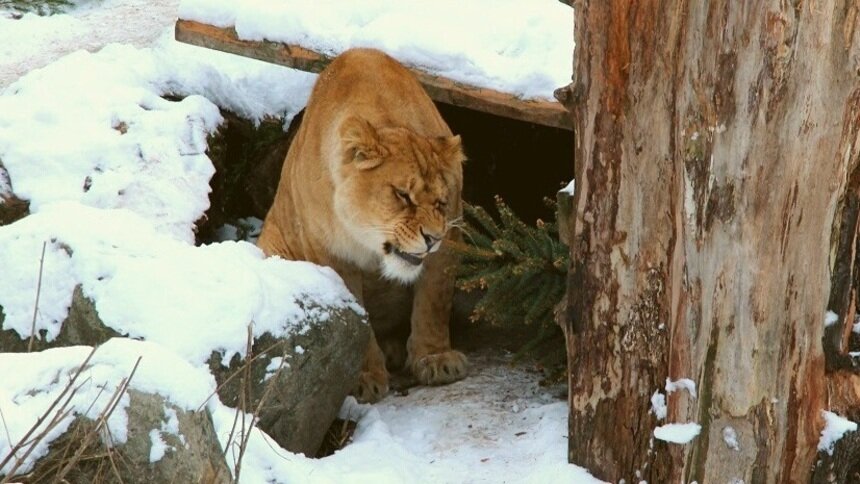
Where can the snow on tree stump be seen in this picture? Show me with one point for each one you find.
(165, 444)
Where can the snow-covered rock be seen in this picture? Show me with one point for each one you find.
(111, 152)
(303, 390)
(62, 400)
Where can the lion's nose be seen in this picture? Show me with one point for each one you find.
(430, 240)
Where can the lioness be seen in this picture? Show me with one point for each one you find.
(370, 187)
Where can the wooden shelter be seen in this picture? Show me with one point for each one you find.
(440, 89)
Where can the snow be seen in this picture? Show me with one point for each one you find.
(33, 42)
(681, 384)
(570, 188)
(658, 405)
(516, 46)
(32, 381)
(465, 432)
(830, 318)
(158, 447)
(247, 228)
(835, 427)
(730, 437)
(117, 176)
(143, 282)
(170, 426)
(677, 433)
(117, 144)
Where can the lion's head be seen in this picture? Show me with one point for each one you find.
(397, 193)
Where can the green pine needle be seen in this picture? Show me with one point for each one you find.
(522, 268)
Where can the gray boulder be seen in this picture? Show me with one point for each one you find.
(182, 444)
(81, 327)
(300, 398)
(301, 380)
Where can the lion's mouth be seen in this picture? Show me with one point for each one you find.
(405, 256)
(410, 258)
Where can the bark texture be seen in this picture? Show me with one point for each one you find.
(717, 146)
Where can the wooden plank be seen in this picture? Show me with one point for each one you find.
(440, 89)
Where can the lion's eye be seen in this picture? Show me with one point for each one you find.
(403, 196)
(441, 205)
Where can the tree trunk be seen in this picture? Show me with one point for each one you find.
(716, 207)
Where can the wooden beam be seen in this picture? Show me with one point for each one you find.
(440, 89)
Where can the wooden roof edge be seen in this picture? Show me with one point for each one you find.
(440, 89)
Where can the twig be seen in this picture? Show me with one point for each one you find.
(246, 401)
(111, 459)
(5, 427)
(38, 294)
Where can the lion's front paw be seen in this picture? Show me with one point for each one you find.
(372, 386)
(440, 368)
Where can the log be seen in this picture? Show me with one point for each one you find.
(716, 214)
(440, 89)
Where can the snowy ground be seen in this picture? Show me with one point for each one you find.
(89, 141)
(132, 22)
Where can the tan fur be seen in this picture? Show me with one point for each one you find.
(372, 172)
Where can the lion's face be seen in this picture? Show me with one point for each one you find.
(397, 193)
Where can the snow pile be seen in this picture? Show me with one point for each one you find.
(677, 433)
(117, 144)
(521, 47)
(40, 31)
(33, 381)
(151, 286)
(466, 432)
(117, 175)
(835, 428)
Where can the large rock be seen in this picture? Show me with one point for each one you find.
(81, 327)
(304, 379)
(321, 365)
(165, 444)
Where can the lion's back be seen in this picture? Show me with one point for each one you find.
(370, 84)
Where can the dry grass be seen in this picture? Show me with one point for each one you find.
(245, 402)
(339, 435)
(81, 447)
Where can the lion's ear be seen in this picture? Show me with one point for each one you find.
(360, 143)
(451, 149)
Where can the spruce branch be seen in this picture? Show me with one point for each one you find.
(522, 270)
